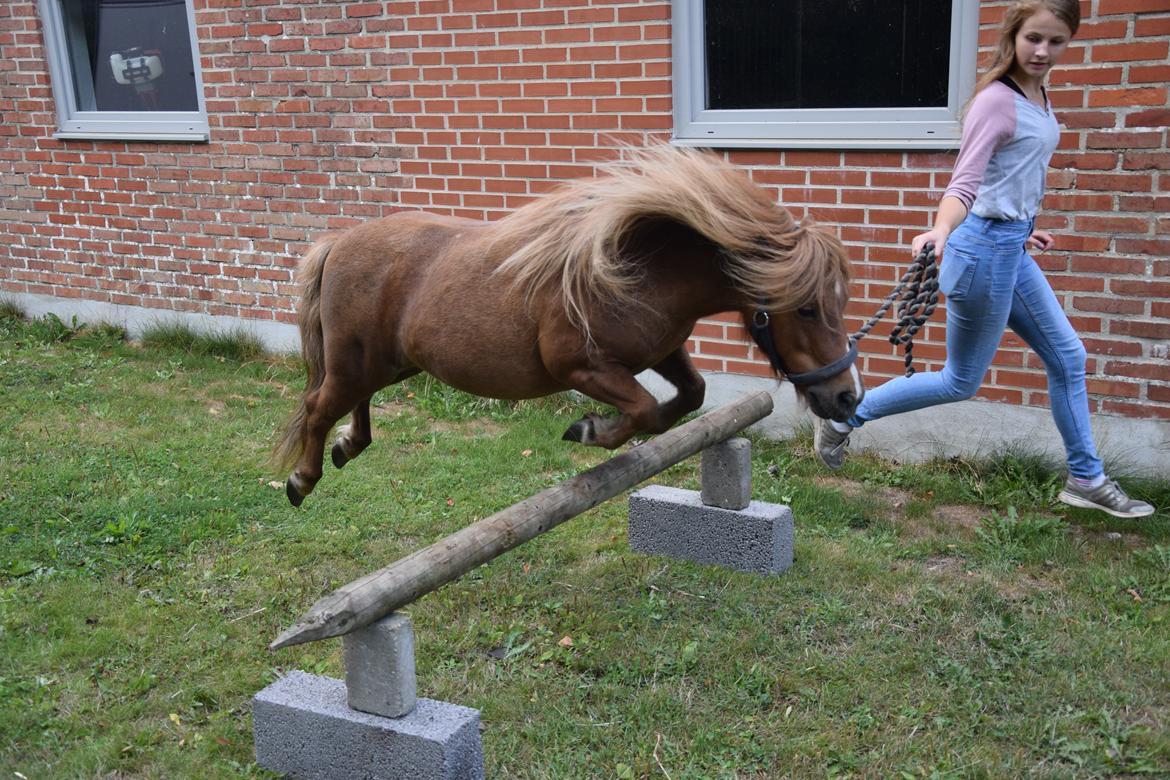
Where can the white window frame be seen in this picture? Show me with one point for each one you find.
(115, 125)
(817, 128)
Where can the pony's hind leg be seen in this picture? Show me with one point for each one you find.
(353, 438)
(323, 408)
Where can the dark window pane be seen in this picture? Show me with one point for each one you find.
(827, 53)
(130, 55)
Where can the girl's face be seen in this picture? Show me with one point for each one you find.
(1040, 44)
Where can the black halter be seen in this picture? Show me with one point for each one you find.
(762, 335)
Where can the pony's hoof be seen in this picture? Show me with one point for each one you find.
(338, 455)
(580, 432)
(294, 496)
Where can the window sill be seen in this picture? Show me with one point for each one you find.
(99, 135)
(827, 144)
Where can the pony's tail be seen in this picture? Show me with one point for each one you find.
(291, 444)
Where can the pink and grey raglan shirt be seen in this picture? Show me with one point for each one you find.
(1007, 143)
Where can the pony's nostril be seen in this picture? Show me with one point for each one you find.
(847, 399)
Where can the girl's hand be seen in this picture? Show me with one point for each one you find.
(1041, 240)
(937, 236)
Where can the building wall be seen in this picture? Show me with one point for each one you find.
(325, 113)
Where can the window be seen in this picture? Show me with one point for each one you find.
(828, 74)
(125, 69)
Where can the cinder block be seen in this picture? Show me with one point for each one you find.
(379, 667)
(303, 728)
(725, 472)
(673, 522)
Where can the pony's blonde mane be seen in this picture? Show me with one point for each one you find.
(571, 239)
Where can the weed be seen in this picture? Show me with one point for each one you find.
(1151, 581)
(1012, 530)
(1017, 480)
(236, 345)
(1011, 537)
(1097, 742)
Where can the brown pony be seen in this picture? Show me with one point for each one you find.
(583, 288)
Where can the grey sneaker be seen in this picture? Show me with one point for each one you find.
(830, 444)
(1109, 497)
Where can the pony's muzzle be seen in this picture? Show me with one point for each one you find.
(835, 400)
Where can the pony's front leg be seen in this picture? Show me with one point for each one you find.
(678, 369)
(613, 384)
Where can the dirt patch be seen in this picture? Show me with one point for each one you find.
(388, 409)
(889, 496)
(944, 564)
(476, 428)
(890, 503)
(960, 516)
(947, 566)
(1128, 541)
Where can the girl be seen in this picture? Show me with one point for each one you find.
(986, 222)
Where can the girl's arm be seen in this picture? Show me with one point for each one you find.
(951, 213)
(990, 123)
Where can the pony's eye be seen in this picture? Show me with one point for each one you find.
(808, 312)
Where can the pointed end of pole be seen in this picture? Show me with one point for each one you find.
(308, 629)
(324, 620)
(290, 637)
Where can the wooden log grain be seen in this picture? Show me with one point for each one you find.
(369, 598)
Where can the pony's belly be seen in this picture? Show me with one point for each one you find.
(503, 381)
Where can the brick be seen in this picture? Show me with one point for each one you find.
(1156, 371)
(1083, 76)
(1140, 288)
(1109, 347)
(1136, 410)
(1158, 117)
(1124, 140)
(1149, 74)
(1110, 7)
(1088, 119)
(1142, 329)
(1130, 52)
(1115, 181)
(1144, 246)
(1104, 387)
(1139, 161)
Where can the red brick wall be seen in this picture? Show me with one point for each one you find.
(324, 113)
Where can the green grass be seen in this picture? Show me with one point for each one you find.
(949, 620)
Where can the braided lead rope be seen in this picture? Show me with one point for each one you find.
(917, 297)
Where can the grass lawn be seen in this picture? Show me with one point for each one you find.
(950, 620)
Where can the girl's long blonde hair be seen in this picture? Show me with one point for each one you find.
(1004, 57)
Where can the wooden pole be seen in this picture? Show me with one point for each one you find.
(365, 600)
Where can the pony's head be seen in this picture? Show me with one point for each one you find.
(801, 280)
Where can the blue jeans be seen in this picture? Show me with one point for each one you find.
(990, 282)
